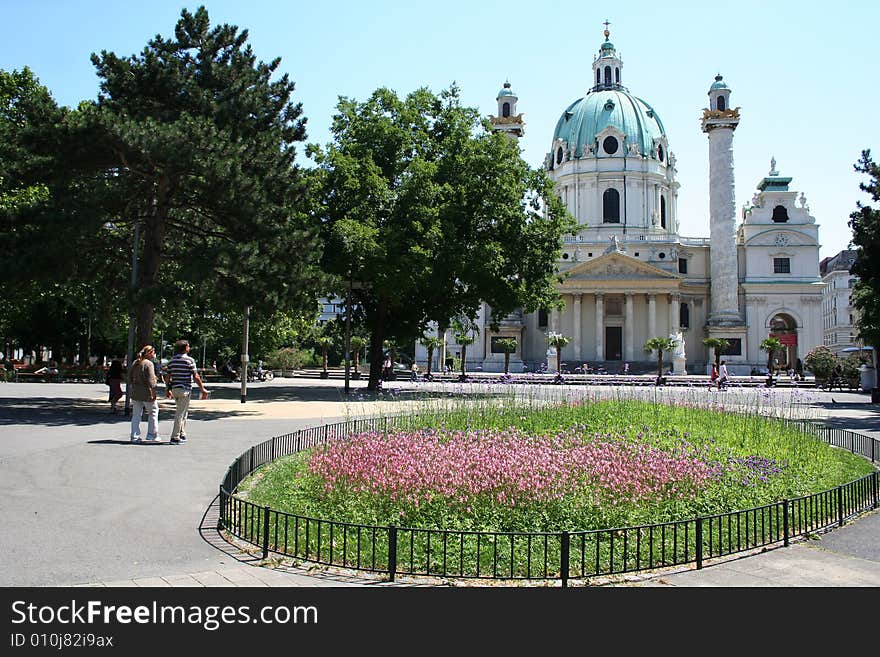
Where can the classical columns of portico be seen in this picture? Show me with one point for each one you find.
(600, 326)
(652, 316)
(674, 312)
(576, 338)
(628, 328)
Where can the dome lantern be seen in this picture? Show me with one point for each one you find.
(607, 66)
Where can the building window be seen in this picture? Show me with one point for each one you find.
(663, 211)
(682, 266)
(684, 316)
(608, 75)
(721, 105)
(780, 214)
(617, 75)
(505, 109)
(559, 155)
(610, 145)
(851, 282)
(598, 77)
(542, 318)
(781, 265)
(660, 153)
(611, 206)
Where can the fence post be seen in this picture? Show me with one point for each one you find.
(563, 559)
(840, 506)
(785, 522)
(699, 540)
(222, 508)
(874, 486)
(273, 448)
(392, 552)
(251, 457)
(265, 532)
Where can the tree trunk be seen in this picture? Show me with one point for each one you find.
(659, 363)
(148, 272)
(463, 360)
(356, 357)
(559, 360)
(377, 338)
(430, 356)
(324, 354)
(506, 362)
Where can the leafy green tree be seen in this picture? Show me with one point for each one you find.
(865, 225)
(660, 344)
(771, 346)
(431, 343)
(324, 342)
(509, 346)
(558, 341)
(464, 335)
(427, 210)
(194, 140)
(717, 345)
(356, 345)
(822, 362)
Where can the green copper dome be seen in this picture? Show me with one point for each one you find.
(506, 91)
(718, 84)
(588, 116)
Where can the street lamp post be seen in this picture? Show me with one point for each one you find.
(244, 354)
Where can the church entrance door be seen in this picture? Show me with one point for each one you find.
(613, 342)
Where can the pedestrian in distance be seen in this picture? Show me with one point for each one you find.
(114, 380)
(180, 374)
(713, 378)
(722, 375)
(142, 384)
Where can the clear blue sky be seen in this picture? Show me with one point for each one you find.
(800, 71)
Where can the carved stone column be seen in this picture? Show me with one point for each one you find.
(576, 338)
(628, 328)
(600, 326)
(674, 312)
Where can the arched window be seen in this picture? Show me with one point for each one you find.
(505, 109)
(663, 212)
(559, 155)
(617, 75)
(611, 206)
(780, 214)
(608, 75)
(684, 316)
(598, 76)
(721, 106)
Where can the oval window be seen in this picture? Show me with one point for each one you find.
(660, 153)
(609, 144)
(559, 155)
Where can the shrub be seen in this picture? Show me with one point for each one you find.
(290, 358)
(821, 361)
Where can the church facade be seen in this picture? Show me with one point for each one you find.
(628, 273)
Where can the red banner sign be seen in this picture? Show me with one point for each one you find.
(787, 339)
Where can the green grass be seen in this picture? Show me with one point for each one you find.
(741, 444)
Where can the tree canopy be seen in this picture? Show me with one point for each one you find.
(865, 224)
(429, 211)
(194, 140)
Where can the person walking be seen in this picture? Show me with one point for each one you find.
(114, 380)
(722, 375)
(180, 373)
(142, 391)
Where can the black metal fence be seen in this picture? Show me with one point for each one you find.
(531, 555)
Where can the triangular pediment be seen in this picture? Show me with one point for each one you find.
(617, 266)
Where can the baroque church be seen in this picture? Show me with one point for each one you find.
(628, 273)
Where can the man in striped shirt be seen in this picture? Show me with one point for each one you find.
(179, 375)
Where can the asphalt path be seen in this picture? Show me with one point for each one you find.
(80, 504)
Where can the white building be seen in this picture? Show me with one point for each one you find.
(630, 275)
(839, 317)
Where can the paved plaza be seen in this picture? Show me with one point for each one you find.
(82, 506)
